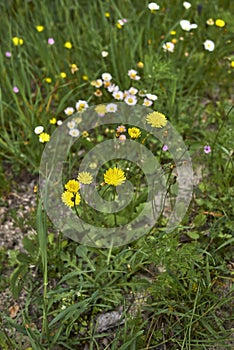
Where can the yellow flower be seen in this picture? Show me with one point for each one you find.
(85, 77)
(85, 178)
(17, 41)
(118, 25)
(68, 198)
(39, 28)
(68, 45)
(63, 75)
(219, 23)
(107, 14)
(74, 68)
(48, 80)
(232, 64)
(72, 186)
(100, 109)
(134, 133)
(140, 64)
(156, 119)
(44, 137)
(114, 177)
(53, 121)
(85, 133)
(173, 32)
(174, 40)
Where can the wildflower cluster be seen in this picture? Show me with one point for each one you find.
(187, 26)
(71, 196)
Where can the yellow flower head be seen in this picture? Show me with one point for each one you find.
(72, 186)
(220, 23)
(39, 28)
(68, 45)
(63, 75)
(100, 109)
(74, 68)
(173, 32)
(156, 119)
(53, 121)
(48, 80)
(140, 64)
(114, 177)
(85, 178)
(68, 198)
(232, 64)
(85, 133)
(85, 77)
(44, 137)
(17, 41)
(134, 133)
(107, 14)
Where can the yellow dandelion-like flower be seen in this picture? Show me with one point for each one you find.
(48, 80)
(85, 77)
(85, 178)
(220, 23)
(39, 28)
(232, 64)
(173, 32)
(63, 75)
(114, 177)
(17, 41)
(156, 119)
(140, 64)
(53, 121)
(72, 186)
(68, 45)
(69, 199)
(100, 109)
(107, 14)
(44, 137)
(134, 133)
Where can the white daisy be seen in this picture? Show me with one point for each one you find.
(131, 100)
(71, 124)
(186, 5)
(209, 45)
(186, 25)
(147, 102)
(132, 73)
(152, 6)
(81, 105)
(152, 97)
(118, 95)
(106, 77)
(69, 111)
(111, 108)
(168, 46)
(39, 129)
(132, 91)
(74, 132)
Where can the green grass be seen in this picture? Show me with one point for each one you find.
(174, 289)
